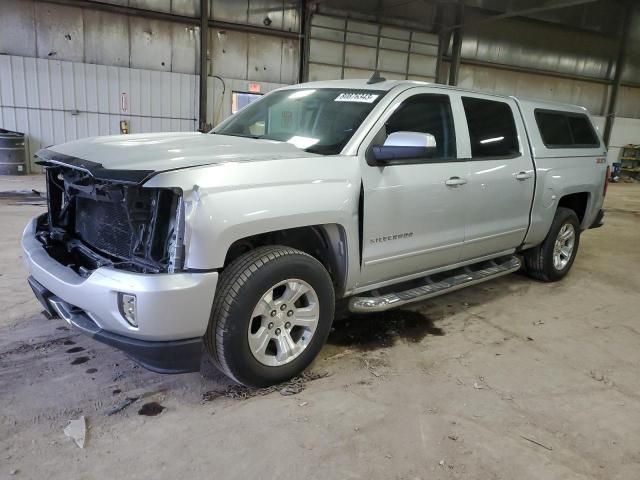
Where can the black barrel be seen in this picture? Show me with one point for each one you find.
(12, 153)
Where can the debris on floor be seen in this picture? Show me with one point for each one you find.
(533, 440)
(290, 387)
(77, 430)
(120, 406)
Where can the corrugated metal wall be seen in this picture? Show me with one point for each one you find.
(546, 61)
(538, 86)
(347, 48)
(57, 32)
(38, 29)
(67, 67)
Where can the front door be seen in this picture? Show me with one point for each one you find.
(414, 208)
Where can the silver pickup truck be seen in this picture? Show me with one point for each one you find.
(376, 193)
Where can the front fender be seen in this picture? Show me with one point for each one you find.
(228, 202)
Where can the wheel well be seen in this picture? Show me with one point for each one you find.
(576, 202)
(326, 243)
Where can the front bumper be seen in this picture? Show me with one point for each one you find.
(178, 356)
(170, 307)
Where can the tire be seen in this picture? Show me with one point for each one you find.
(242, 320)
(540, 260)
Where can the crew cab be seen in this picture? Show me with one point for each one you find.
(374, 193)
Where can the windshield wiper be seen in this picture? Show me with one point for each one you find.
(255, 137)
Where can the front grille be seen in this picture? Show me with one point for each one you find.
(104, 226)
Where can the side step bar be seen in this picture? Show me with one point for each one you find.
(459, 278)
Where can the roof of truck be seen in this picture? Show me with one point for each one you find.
(386, 85)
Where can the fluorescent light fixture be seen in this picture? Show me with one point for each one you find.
(492, 140)
(301, 94)
(303, 142)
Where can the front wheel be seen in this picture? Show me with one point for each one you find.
(271, 315)
(553, 259)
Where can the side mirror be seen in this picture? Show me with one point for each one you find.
(405, 146)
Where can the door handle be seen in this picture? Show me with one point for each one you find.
(523, 175)
(455, 181)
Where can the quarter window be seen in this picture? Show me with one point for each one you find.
(492, 129)
(566, 130)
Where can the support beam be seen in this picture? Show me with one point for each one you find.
(204, 48)
(171, 17)
(454, 67)
(627, 14)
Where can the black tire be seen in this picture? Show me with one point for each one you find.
(240, 287)
(539, 260)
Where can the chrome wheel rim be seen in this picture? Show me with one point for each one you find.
(283, 322)
(563, 248)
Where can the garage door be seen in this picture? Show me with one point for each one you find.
(347, 48)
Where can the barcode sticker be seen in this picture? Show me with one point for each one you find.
(356, 97)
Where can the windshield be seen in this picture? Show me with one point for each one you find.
(317, 120)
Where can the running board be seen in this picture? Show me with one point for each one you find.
(460, 278)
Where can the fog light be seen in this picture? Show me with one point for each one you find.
(127, 307)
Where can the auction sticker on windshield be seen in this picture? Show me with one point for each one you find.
(356, 97)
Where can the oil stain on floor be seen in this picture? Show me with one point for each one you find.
(151, 409)
(381, 330)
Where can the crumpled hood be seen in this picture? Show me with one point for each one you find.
(168, 151)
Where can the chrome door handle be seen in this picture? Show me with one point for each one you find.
(455, 181)
(523, 175)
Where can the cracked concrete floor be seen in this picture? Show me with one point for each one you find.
(508, 379)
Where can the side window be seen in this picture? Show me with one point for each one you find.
(425, 113)
(565, 130)
(554, 129)
(492, 129)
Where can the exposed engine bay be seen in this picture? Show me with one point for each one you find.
(97, 222)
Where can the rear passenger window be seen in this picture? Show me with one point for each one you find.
(492, 130)
(566, 130)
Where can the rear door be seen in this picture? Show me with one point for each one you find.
(501, 176)
(414, 214)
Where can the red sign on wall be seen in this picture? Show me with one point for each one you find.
(254, 87)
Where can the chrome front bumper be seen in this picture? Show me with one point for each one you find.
(174, 306)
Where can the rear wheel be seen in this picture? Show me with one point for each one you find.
(553, 259)
(271, 315)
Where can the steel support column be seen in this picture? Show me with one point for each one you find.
(444, 36)
(454, 67)
(204, 48)
(627, 14)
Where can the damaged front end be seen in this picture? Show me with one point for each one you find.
(105, 218)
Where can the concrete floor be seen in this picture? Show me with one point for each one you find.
(511, 379)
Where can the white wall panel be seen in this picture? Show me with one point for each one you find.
(55, 102)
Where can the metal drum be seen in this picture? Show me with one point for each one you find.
(12, 153)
